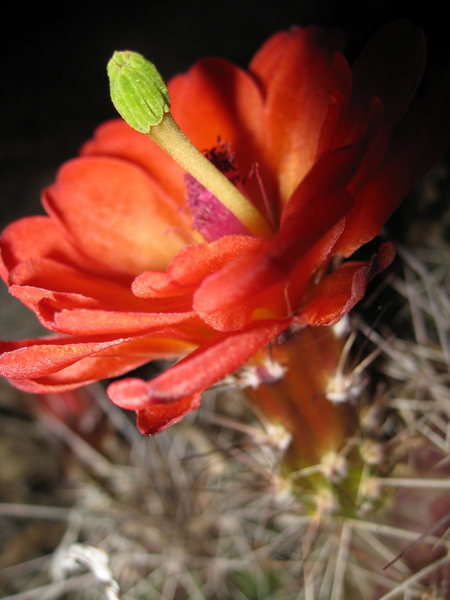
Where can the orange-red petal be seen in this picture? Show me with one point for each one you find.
(215, 99)
(200, 369)
(84, 321)
(300, 71)
(119, 140)
(37, 237)
(419, 141)
(335, 295)
(39, 357)
(193, 264)
(313, 220)
(338, 292)
(116, 360)
(115, 214)
(35, 279)
(158, 416)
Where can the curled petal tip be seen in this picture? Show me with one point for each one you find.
(131, 393)
(153, 414)
(138, 91)
(158, 417)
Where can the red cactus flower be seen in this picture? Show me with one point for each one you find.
(136, 260)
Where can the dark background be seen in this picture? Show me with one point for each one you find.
(54, 89)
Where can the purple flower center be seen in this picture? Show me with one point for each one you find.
(210, 217)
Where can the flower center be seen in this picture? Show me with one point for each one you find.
(210, 217)
(141, 98)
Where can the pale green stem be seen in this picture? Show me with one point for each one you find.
(172, 140)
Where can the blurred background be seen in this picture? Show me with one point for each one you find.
(54, 85)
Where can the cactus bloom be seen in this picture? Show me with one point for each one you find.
(138, 260)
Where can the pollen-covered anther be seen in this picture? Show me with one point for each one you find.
(334, 466)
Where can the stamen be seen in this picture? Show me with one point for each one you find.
(270, 211)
